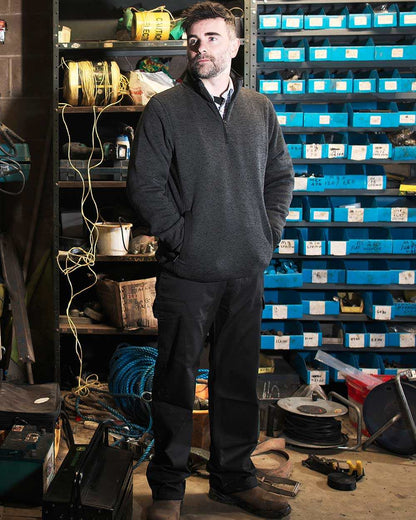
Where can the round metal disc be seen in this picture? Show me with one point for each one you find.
(381, 405)
(300, 444)
(309, 408)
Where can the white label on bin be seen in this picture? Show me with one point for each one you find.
(287, 247)
(313, 151)
(364, 86)
(324, 120)
(281, 342)
(358, 153)
(357, 340)
(413, 85)
(295, 86)
(381, 151)
(316, 307)
(390, 85)
(293, 215)
(377, 340)
(382, 312)
(316, 22)
(384, 19)
(301, 183)
(371, 371)
(410, 18)
(321, 215)
(270, 86)
(336, 150)
(375, 120)
(407, 278)
(293, 55)
(397, 53)
(275, 55)
(355, 214)
(294, 23)
(279, 312)
(360, 20)
(375, 182)
(269, 22)
(407, 340)
(351, 53)
(341, 85)
(407, 119)
(321, 54)
(310, 339)
(313, 247)
(338, 248)
(399, 214)
(335, 21)
(281, 119)
(319, 276)
(317, 377)
(320, 85)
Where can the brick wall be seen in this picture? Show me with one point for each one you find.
(25, 103)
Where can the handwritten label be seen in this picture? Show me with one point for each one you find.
(355, 214)
(270, 86)
(399, 214)
(313, 247)
(407, 278)
(375, 182)
(371, 371)
(381, 151)
(336, 150)
(382, 312)
(310, 339)
(321, 215)
(279, 312)
(397, 53)
(413, 88)
(313, 151)
(316, 307)
(275, 55)
(407, 119)
(319, 85)
(282, 342)
(324, 120)
(338, 248)
(356, 340)
(321, 54)
(375, 120)
(287, 247)
(293, 55)
(407, 340)
(281, 119)
(341, 86)
(295, 86)
(358, 153)
(293, 215)
(351, 53)
(317, 376)
(377, 340)
(319, 276)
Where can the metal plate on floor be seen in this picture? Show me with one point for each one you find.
(310, 408)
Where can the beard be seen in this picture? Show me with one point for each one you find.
(209, 69)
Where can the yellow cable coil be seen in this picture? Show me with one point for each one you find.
(151, 25)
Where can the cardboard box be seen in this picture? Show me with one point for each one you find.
(128, 305)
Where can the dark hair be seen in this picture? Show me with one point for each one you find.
(204, 11)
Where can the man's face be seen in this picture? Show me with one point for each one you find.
(211, 47)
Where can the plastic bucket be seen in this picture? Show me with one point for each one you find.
(113, 238)
(150, 25)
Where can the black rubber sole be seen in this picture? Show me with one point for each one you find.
(234, 501)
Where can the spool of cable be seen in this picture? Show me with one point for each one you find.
(151, 25)
(90, 83)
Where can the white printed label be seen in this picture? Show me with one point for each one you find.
(413, 85)
(321, 215)
(382, 312)
(397, 53)
(316, 307)
(381, 151)
(399, 214)
(293, 23)
(321, 54)
(275, 55)
(319, 276)
(390, 85)
(319, 85)
(375, 182)
(355, 214)
(336, 150)
(317, 377)
(270, 86)
(341, 85)
(364, 86)
(310, 339)
(281, 119)
(406, 119)
(301, 183)
(335, 21)
(316, 22)
(410, 19)
(338, 248)
(351, 53)
(407, 340)
(279, 312)
(407, 278)
(313, 247)
(357, 340)
(293, 55)
(293, 215)
(313, 151)
(324, 120)
(375, 120)
(282, 342)
(377, 340)
(385, 19)
(360, 20)
(287, 247)
(358, 153)
(371, 371)
(269, 22)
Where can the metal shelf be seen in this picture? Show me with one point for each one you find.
(324, 33)
(336, 65)
(91, 109)
(341, 317)
(339, 347)
(330, 193)
(101, 328)
(94, 184)
(324, 97)
(350, 161)
(115, 258)
(168, 47)
(320, 3)
(354, 287)
(304, 223)
(339, 257)
(323, 129)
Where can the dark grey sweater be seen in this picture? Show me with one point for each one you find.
(215, 191)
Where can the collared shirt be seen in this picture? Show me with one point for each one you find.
(221, 102)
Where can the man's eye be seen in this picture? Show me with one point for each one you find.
(192, 41)
(212, 38)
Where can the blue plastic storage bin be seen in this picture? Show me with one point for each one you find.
(373, 115)
(271, 20)
(336, 145)
(366, 241)
(391, 209)
(355, 335)
(367, 272)
(313, 146)
(313, 241)
(277, 51)
(407, 18)
(282, 305)
(404, 308)
(289, 335)
(396, 363)
(403, 272)
(345, 177)
(325, 115)
(358, 146)
(390, 82)
(377, 333)
(317, 303)
(310, 371)
(325, 51)
(292, 19)
(289, 115)
(323, 271)
(289, 243)
(317, 209)
(370, 363)
(315, 20)
(376, 177)
(270, 83)
(362, 19)
(407, 114)
(378, 305)
(345, 357)
(295, 211)
(365, 82)
(401, 338)
(312, 334)
(404, 241)
(337, 18)
(294, 86)
(404, 153)
(294, 145)
(309, 177)
(380, 146)
(354, 209)
(405, 51)
(387, 18)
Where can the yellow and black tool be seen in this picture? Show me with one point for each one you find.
(342, 475)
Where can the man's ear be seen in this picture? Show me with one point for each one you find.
(235, 45)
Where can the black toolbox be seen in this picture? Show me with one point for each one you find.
(94, 481)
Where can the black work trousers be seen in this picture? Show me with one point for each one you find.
(186, 310)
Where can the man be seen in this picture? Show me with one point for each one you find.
(211, 175)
